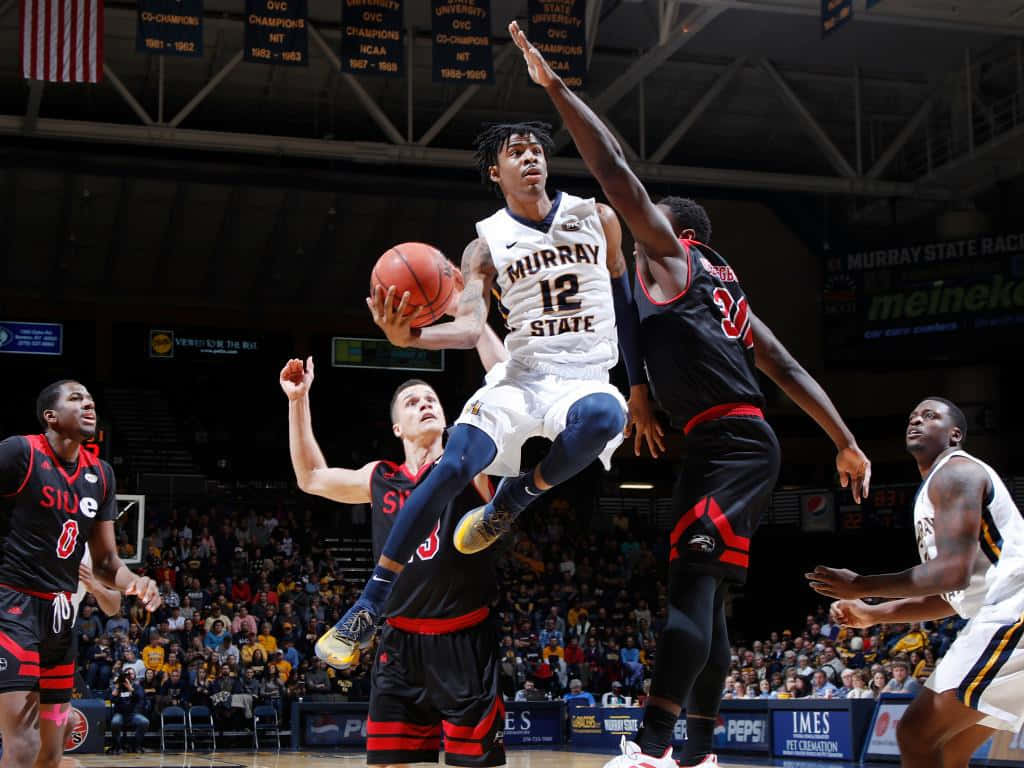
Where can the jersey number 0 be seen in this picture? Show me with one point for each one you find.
(68, 540)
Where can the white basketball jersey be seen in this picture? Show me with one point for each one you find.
(555, 288)
(998, 571)
(79, 596)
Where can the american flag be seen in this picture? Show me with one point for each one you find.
(62, 40)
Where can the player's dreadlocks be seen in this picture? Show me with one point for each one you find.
(493, 138)
(688, 214)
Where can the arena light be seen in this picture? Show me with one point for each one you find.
(636, 486)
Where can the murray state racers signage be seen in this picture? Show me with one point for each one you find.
(952, 300)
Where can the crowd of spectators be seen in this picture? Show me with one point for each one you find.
(246, 595)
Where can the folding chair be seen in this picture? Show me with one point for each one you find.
(172, 720)
(200, 721)
(264, 718)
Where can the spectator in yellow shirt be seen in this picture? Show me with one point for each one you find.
(914, 640)
(153, 654)
(553, 649)
(284, 667)
(266, 640)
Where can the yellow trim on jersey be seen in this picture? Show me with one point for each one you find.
(987, 533)
(980, 677)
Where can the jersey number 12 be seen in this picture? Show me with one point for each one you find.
(567, 287)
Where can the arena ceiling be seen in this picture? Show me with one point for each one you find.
(916, 99)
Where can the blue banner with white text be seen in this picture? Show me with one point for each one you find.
(18, 338)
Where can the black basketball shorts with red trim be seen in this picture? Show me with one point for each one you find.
(724, 487)
(426, 686)
(32, 656)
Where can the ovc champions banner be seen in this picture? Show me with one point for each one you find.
(558, 29)
(170, 27)
(276, 32)
(371, 37)
(462, 41)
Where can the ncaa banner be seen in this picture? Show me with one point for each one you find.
(818, 512)
(559, 31)
(170, 27)
(371, 37)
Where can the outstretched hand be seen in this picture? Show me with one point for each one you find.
(296, 380)
(838, 583)
(391, 319)
(641, 420)
(540, 72)
(854, 472)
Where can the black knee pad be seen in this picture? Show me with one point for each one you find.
(683, 650)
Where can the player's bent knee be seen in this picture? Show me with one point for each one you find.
(600, 414)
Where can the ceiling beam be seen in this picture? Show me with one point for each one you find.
(368, 102)
(905, 134)
(379, 154)
(685, 31)
(694, 113)
(206, 90)
(112, 78)
(918, 18)
(814, 129)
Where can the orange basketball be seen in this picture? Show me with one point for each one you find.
(424, 272)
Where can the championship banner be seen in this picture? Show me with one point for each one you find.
(371, 37)
(951, 301)
(834, 14)
(276, 32)
(170, 27)
(462, 41)
(31, 338)
(558, 30)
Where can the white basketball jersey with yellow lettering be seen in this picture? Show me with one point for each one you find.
(555, 288)
(997, 578)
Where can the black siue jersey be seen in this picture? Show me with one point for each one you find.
(698, 346)
(439, 583)
(52, 508)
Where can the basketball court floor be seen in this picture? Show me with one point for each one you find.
(517, 759)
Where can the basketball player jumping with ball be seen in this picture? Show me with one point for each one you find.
(557, 264)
